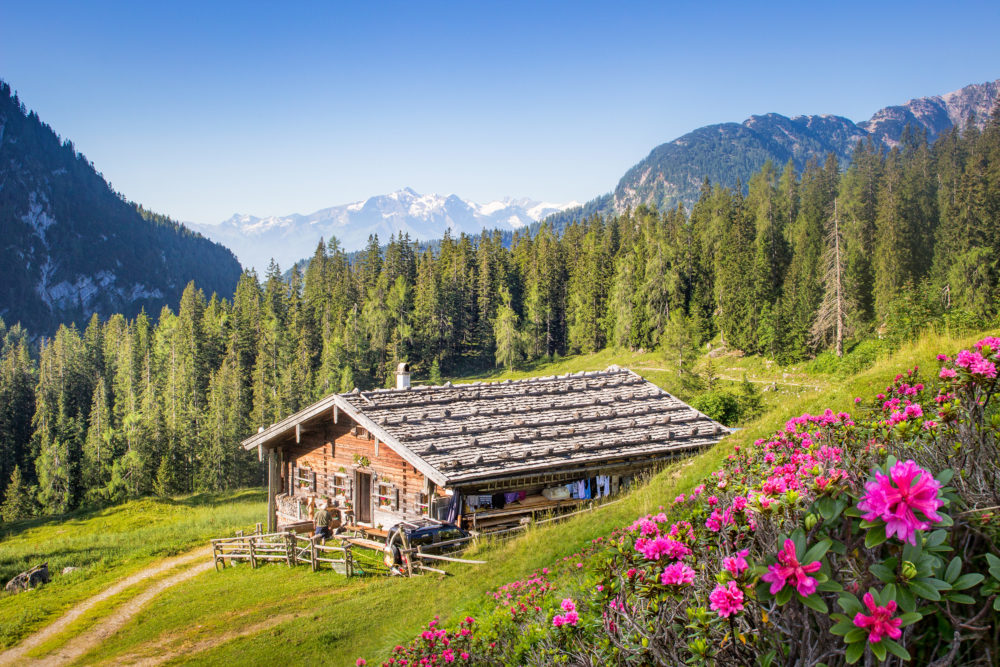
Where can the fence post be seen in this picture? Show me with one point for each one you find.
(348, 560)
(290, 548)
(312, 554)
(260, 530)
(253, 556)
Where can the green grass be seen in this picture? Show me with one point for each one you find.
(107, 545)
(339, 621)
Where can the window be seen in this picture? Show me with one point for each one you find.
(386, 496)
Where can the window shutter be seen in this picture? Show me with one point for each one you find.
(395, 498)
(312, 484)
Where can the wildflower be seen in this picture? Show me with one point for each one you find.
(879, 623)
(788, 567)
(677, 574)
(947, 373)
(360, 662)
(463, 655)
(568, 605)
(896, 497)
(736, 564)
(726, 599)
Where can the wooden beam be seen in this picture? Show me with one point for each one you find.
(336, 414)
(273, 488)
(298, 433)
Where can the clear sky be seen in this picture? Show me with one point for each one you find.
(203, 109)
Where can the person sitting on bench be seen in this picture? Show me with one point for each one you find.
(322, 521)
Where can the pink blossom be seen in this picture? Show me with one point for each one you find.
(677, 574)
(360, 662)
(788, 567)
(568, 605)
(736, 564)
(726, 599)
(947, 373)
(879, 623)
(896, 497)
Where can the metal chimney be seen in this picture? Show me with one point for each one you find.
(403, 376)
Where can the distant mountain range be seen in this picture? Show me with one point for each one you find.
(673, 172)
(71, 246)
(290, 238)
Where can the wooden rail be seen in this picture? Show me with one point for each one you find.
(291, 548)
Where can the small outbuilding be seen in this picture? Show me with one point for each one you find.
(486, 455)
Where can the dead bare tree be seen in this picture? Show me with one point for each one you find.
(832, 317)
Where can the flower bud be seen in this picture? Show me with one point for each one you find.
(811, 521)
(909, 570)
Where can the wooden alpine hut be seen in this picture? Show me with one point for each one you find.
(485, 455)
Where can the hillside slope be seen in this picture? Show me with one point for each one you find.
(255, 616)
(71, 246)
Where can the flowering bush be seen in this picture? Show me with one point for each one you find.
(763, 563)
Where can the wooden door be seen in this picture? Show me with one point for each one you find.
(363, 497)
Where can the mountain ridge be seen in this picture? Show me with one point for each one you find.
(424, 217)
(672, 173)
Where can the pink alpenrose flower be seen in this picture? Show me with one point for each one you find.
(894, 498)
(788, 567)
(726, 599)
(736, 564)
(677, 574)
(879, 623)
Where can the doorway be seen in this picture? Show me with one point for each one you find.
(362, 497)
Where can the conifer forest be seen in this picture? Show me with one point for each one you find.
(787, 266)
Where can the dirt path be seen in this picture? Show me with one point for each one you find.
(164, 654)
(107, 626)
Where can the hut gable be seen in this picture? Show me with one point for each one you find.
(477, 431)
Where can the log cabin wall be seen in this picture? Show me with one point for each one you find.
(325, 461)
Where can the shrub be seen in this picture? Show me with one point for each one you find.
(720, 405)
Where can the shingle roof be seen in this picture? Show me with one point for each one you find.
(484, 430)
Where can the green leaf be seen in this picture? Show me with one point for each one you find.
(814, 602)
(878, 648)
(850, 604)
(784, 595)
(886, 573)
(996, 604)
(842, 627)
(936, 583)
(910, 617)
(994, 565)
(816, 551)
(967, 581)
(856, 635)
(799, 538)
(854, 652)
(945, 476)
(954, 569)
(924, 590)
(937, 538)
(961, 598)
(830, 586)
(894, 648)
(905, 599)
(826, 506)
(875, 536)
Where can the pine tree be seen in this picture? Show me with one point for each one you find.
(18, 501)
(506, 333)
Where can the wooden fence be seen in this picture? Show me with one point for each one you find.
(292, 549)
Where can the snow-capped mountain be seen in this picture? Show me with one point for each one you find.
(290, 238)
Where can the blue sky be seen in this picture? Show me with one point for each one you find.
(200, 110)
